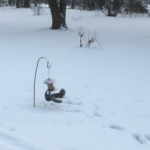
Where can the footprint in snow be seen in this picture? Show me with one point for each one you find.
(12, 129)
(74, 103)
(96, 114)
(147, 137)
(116, 127)
(139, 139)
(73, 110)
(16, 142)
(77, 103)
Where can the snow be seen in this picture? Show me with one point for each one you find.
(49, 81)
(107, 99)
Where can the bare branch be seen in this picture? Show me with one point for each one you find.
(103, 12)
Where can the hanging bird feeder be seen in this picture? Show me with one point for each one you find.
(48, 95)
(49, 82)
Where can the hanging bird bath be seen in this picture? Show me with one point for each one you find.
(49, 82)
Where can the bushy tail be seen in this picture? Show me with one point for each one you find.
(60, 94)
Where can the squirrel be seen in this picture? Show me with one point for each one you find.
(53, 97)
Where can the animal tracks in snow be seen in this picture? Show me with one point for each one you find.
(7, 127)
(16, 142)
(139, 139)
(147, 137)
(12, 129)
(96, 111)
(116, 127)
(74, 102)
(73, 106)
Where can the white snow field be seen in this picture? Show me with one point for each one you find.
(107, 101)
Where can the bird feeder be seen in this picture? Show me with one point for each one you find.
(48, 95)
(49, 82)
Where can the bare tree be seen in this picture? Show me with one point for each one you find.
(18, 3)
(113, 7)
(58, 11)
(27, 3)
(72, 5)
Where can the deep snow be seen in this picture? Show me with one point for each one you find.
(106, 106)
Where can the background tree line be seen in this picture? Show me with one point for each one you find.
(58, 7)
(79, 4)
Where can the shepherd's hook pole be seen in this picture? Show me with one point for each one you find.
(48, 66)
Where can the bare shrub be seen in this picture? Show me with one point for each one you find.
(38, 10)
(86, 38)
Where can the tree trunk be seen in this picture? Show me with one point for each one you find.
(117, 7)
(58, 13)
(18, 3)
(62, 9)
(114, 8)
(35, 2)
(27, 3)
(109, 10)
(9, 2)
(72, 5)
(130, 1)
(101, 3)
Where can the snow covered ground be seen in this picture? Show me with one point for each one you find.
(107, 101)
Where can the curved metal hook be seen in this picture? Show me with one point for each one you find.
(48, 66)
